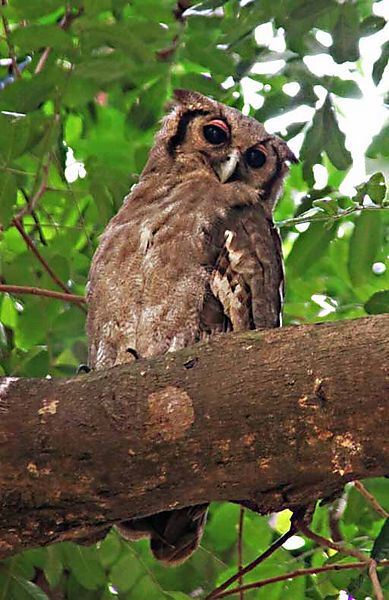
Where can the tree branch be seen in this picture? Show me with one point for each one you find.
(300, 573)
(371, 500)
(33, 201)
(64, 24)
(279, 417)
(216, 593)
(23, 289)
(31, 246)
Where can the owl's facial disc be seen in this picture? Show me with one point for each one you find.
(225, 168)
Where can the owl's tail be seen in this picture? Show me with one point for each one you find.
(174, 535)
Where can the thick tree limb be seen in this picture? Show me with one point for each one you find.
(280, 417)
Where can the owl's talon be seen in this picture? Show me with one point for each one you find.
(83, 369)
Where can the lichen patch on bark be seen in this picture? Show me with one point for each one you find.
(264, 463)
(170, 414)
(33, 470)
(248, 440)
(343, 449)
(49, 407)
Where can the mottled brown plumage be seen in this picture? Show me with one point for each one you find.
(193, 251)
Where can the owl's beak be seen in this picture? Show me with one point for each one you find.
(225, 169)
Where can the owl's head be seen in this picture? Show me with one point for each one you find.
(203, 133)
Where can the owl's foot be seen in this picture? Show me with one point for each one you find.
(83, 369)
(174, 535)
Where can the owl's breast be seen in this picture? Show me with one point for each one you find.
(150, 278)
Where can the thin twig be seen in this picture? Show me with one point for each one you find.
(335, 515)
(348, 551)
(10, 45)
(42, 60)
(333, 523)
(371, 500)
(36, 253)
(268, 552)
(30, 244)
(300, 573)
(33, 201)
(35, 218)
(379, 594)
(21, 289)
(338, 546)
(38, 227)
(240, 553)
(317, 217)
(64, 24)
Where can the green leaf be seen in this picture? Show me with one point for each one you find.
(14, 587)
(346, 88)
(53, 567)
(379, 148)
(26, 95)
(378, 303)
(346, 35)
(33, 10)
(375, 188)
(335, 138)
(309, 9)
(35, 37)
(106, 69)
(381, 64)
(379, 488)
(329, 205)
(84, 565)
(308, 248)
(108, 550)
(125, 572)
(313, 145)
(294, 588)
(7, 196)
(371, 25)
(282, 522)
(14, 134)
(364, 244)
(380, 549)
(177, 595)
(30, 590)
(340, 579)
(221, 528)
(8, 312)
(33, 325)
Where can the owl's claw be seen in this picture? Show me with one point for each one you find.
(83, 369)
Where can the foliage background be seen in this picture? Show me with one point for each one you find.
(89, 102)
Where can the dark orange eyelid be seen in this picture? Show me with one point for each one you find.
(219, 123)
(262, 148)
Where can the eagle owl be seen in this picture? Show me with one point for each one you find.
(192, 252)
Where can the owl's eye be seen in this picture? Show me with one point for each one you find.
(216, 132)
(255, 158)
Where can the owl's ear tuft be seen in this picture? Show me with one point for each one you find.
(286, 153)
(187, 96)
(291, 157)
(192, 100)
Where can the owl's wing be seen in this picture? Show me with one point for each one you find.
(247, 277)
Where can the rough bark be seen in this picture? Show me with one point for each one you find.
(280, 417)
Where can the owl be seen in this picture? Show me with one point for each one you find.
(193, 252)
